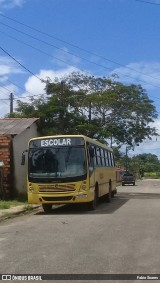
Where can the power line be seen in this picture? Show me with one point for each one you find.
(35, 48)
(50, 44)
(49, 35)
(25, 89)
(80, 57)
(67, 52)
(20, 64)
(4, 102)
(4, 98)
(148, 2)
(4, 87)
(45, 93)
(73, 45)
(18, 97)
(43, 52)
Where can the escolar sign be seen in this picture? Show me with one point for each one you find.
(55, 142)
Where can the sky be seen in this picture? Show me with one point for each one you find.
(47, 39)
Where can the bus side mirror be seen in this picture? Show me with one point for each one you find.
(23, 157)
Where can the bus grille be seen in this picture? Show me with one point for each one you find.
(57, 188)
(63, 198)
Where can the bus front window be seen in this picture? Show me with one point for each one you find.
(62, 162)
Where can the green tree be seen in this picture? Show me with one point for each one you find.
(147, 162)
(122, 112)
(101, 108)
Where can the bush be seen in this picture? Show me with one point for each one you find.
(152, 175)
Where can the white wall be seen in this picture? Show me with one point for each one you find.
(20, 143)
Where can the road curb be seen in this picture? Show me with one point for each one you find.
(16, 210)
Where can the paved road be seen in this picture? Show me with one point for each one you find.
(122, 237)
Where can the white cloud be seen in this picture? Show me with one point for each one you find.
(62, 58)
(146, 74)
(148, 146)
(34, 86)
(7, 67)
(8, 4)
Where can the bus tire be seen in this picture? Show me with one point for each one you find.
(93, 204)
(47, 207)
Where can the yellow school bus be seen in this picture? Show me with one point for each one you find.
(65, 169)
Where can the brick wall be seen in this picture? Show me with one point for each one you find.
(6, 157)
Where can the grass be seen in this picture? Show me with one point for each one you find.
(28, 207)
(152, 175)
(8, 204)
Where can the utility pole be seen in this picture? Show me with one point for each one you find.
(11, 102)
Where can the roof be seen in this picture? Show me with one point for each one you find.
(15, 126)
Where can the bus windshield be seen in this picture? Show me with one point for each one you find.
(57, 162)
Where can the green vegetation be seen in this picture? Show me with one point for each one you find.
(9, 204)
(142, 165)
(99, 107)
(152, 175)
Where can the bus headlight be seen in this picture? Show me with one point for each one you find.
(31, 190)
(83, 187)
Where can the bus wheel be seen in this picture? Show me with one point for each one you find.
(47, 207)
(93, 204)
(109, 195)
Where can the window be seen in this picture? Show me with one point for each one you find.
(103, 157)
(106, 158)
(57, 162)
(99, 163)
(109, 159)
(112, 160)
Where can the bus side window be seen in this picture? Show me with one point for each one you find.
(112, 160)
(98, 157)
(106, 158)
(109, 159)
(103, 157)
(105, 162)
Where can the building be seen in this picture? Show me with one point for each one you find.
(14, 136)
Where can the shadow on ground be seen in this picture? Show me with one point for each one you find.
(103, 207)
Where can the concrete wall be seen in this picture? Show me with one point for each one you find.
(20, 143)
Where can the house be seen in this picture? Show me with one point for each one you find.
(14, 136)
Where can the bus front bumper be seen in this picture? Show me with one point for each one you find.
(79, 197)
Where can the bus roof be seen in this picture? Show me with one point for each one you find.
(87, 139)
